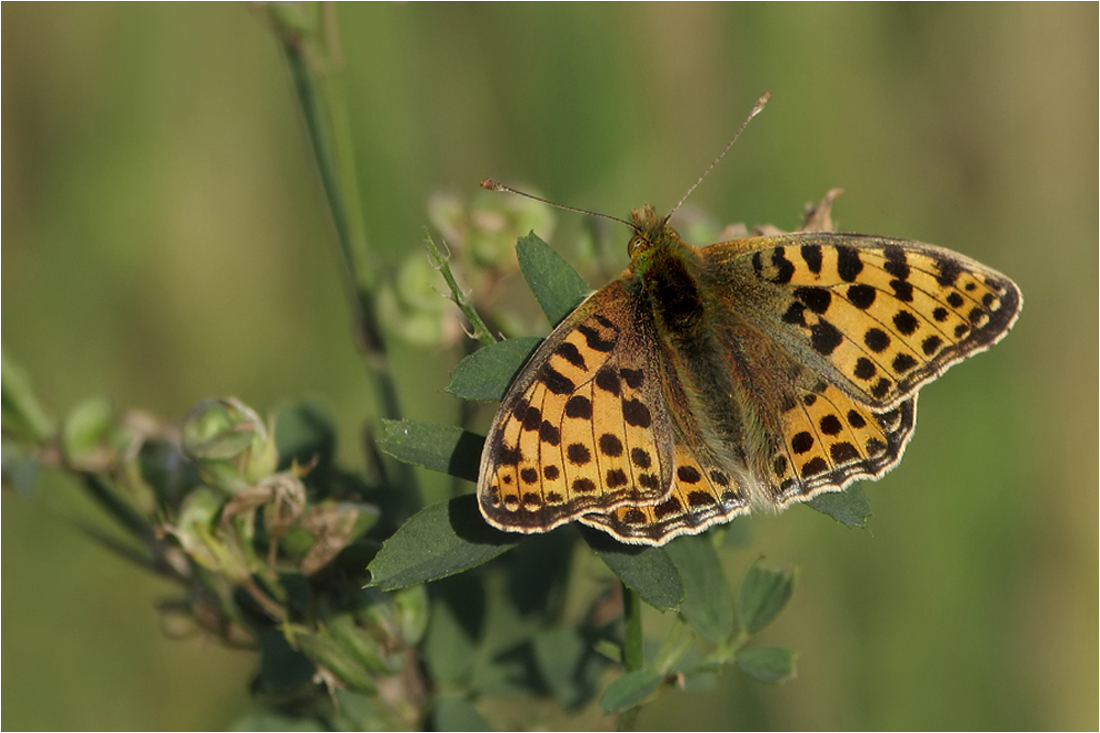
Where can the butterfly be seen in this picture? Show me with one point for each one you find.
(752, 374)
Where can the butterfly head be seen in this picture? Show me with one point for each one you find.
(650, 230)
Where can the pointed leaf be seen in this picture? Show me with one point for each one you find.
(20, 412)
(647, 570)
(443, 448)
(556, 285)
(770, 664)
(849, 507)
(630, 690)
(559, 653)
(440, 540)
(486, 373)
(707, 604)
(763, 595)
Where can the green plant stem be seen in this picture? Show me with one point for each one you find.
(326, 125)
(633, 654)
(440, 262)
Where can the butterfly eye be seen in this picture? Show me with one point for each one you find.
(636, 243)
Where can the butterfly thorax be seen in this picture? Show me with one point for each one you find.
(667, 269)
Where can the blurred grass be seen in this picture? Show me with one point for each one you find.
(165, 240)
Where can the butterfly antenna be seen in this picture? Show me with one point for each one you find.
(757, 108)
(492, 185)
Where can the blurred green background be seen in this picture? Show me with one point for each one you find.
(164, 240)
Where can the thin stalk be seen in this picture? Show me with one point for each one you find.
(633, 655)
(440, 262)
(324, 113)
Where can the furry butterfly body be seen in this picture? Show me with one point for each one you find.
(707, 382)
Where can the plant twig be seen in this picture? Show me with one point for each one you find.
(325, 119)
(440, 261)
(633, 654)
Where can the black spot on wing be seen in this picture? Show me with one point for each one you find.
(608, 381)
(555, 381)
(610, 445)
(816, 299)
(578, 454)
(862, 296)
(594, 340)
(906, 322)
(795, 315)
(688, 474)
(848, 263)
(811, 255)
(571, 354)
(949, 271)
(632, 377)
(784, 268)
(903, 291)
(636, 414)
(549, 433)
(876, 340)
(825, 337)
(579, 407)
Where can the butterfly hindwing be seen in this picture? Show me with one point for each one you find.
(826, 440)
(583, 428)
(703, 494)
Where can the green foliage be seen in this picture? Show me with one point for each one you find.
(770, 664)
(556, 285)
(763, 595)
(486, 374)
(849, 507)
(443, 539)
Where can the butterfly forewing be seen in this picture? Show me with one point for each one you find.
(878, 317)
(584, 427)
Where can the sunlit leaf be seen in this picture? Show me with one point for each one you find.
(440, 540)
(556, 285)
(486, 373)
(443, 448)
(707, 604)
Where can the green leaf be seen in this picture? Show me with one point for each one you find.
(440, 540)
(450, 647)
(763, 595)
(648, 570)
(556, 285)
(630, 689)
(707, 604)
(486, 373)
(559, 653)
(443, 448)
(453, 712)
(87, 428)
(849, 507)
(770, 664)
(20, 412)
